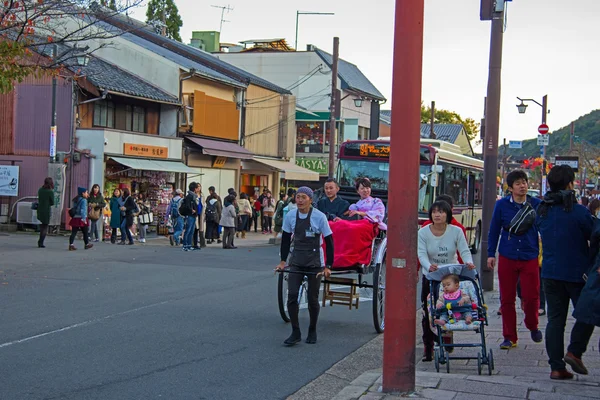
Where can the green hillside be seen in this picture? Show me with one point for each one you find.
(587, 129)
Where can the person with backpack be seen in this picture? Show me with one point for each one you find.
(227, 221)
(115, 214)
(281, 204)
(176, 218)
(79, 218)
(213, 216)
(189, 210)
(519, 249)
(200, 221)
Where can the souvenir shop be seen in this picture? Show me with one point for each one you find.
(155, 182)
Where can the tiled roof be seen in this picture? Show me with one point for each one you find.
(137, 28)
(445, 132)
(385, 116)
(351, 76)
(105, 75)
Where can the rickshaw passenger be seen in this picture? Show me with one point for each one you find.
(331, 205)
(308, 226)
(368, 207)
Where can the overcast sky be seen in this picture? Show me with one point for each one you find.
(550, 47)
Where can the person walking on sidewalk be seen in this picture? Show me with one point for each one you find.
(227, 221)
(518, 259)
(128, 209)
(44, 209)
(213, 211)
(268, 211)
(115, 214)
(189, 210)
(439, 244)
(79, 220)
(200, 220)
(144, 217)
(565, 227)
(309, 227)
(176, 218)
(245, 214)
(97, 203)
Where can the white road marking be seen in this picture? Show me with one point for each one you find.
(80, 324)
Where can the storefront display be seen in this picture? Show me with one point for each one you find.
(253, 183)
(157, 186)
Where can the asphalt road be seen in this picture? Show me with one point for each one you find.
(153, 322)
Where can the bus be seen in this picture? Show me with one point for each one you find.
(443, 169)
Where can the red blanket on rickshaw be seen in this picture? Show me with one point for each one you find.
(352, 242)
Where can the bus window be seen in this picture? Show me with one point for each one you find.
(377, 172)
(455, 184)
(425, 189)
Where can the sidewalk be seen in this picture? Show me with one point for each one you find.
(521, 373)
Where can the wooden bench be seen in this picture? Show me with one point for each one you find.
(347, 298)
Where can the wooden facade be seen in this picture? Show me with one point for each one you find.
(123, 114)
(270, 123)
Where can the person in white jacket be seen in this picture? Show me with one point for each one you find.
(228, 222)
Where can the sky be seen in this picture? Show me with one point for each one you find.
(550, 47)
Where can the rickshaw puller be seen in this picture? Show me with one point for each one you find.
(306, 259)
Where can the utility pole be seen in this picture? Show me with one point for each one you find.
(571, 137)
(490, 144)
(401, 257)
(544, 114)
(504, 164)
(332, 110)
(432, 133)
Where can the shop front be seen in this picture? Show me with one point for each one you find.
(278, 174)
(216, 163)
(147, 164)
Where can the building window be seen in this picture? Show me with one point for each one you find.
(135, 118)
(104, 114)
(309, 137)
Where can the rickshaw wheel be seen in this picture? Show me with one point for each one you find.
(282, 295)
(379, 296)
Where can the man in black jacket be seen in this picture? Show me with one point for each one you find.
(332, 206)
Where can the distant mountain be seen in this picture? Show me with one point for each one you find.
(587, 128)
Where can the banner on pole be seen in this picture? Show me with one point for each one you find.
(53, 141)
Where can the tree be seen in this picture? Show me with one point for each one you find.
(165, 15)
(112, 4)
(450, 117)
(29, 29)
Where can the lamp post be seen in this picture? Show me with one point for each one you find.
(81, 60)
(522, 108)
(298, 14)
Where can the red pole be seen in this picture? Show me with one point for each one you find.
(401, 271)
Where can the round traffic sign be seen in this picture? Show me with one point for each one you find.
(543, 129)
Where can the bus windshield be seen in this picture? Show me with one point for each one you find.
(377, 172)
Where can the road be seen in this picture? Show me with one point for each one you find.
(153, 322)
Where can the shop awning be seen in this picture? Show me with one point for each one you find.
(292, 171)
(221, 149)
(155, 165)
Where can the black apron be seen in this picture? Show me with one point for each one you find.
(307, 244)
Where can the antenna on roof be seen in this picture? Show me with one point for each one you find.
(223, 9)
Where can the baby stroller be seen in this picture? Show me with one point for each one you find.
(469, 284)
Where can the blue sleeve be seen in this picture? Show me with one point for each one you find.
(324, 227)
(587, 223)
(287, 222)
(495, 230)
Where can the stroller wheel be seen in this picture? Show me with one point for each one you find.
(490, 362)
(436, 359)
(479, 361)
(448, 364)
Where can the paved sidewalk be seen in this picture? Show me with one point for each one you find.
(522, 372)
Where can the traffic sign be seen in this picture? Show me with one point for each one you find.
(515, 144)
(543, 129)
(543, 140)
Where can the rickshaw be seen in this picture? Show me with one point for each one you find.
(374, 267)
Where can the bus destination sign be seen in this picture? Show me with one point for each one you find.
(375, 150)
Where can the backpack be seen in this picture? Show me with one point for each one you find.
(73, 210)
(175, 209)
(279, 212)
(211, 212)
(185, 207)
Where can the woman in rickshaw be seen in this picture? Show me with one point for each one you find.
(370, 208)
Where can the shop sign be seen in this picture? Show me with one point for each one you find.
(9, 180)
(144, 150)
(219, 162)
(319, 165)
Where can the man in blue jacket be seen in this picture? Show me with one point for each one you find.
(518, 260)
(565, 227)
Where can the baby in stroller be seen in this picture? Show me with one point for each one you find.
(454, 304)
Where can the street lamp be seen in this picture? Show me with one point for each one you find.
(298, 13)
(358, 102)
(79, 54)
(544, 104)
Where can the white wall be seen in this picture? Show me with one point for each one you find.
(93, 140)
(349, 110)
(168, 121)
(286, 69)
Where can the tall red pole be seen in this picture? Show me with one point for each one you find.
(401, 271)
